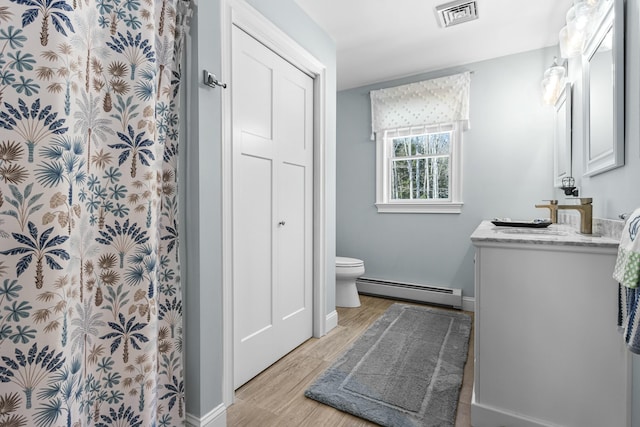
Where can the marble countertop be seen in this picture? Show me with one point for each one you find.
(555, 234)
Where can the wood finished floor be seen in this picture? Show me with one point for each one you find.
(276, 396)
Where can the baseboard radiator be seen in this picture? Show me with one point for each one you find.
(411, 291)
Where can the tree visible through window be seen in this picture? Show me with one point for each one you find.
(419, 166)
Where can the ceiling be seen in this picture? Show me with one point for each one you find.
(380, 40)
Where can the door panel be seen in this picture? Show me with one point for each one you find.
(292, 96)
(253, 245)
(256, 76)
(272, 109)
(291, 245)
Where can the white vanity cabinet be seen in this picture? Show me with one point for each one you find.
(547, 348)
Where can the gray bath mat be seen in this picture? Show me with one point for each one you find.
(405, 370)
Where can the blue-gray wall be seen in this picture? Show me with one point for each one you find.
(202, 250)
(202, 186)
(507, 168)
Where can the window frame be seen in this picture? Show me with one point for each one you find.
(384, 145)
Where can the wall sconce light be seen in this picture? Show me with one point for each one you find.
(553, 82)
(580, 19)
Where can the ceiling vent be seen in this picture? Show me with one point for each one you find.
(457, 12)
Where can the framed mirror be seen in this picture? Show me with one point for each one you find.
(603, 92)
(562, 137)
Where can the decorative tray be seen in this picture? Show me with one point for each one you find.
(536, 223)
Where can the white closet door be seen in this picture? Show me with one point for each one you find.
(272, 206)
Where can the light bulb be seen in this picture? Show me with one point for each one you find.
(571, 42)
(579, 16)
(552, 84)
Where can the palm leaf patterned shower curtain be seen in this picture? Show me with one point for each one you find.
(90, 295)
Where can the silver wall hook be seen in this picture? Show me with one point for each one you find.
(210, 80)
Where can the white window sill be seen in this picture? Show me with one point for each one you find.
(433, 207)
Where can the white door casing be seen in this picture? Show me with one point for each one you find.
(239, 13)
(272, 149)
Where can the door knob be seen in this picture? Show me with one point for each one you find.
(281, 223)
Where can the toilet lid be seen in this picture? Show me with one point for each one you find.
(348, 262)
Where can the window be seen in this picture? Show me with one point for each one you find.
(418, 169)
(418, 132)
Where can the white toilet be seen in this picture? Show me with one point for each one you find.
(347, 271)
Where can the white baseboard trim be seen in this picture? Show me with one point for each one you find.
(469, 304)
(216, 418)
(332, 321)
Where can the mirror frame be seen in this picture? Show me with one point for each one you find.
(562, 140)
(612, 19)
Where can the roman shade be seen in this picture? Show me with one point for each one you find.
(429, 102)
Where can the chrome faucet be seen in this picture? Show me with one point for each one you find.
(553, 210)
(586, 214)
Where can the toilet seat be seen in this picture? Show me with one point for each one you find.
(348, 262)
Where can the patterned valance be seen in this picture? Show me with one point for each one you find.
(435, 101)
